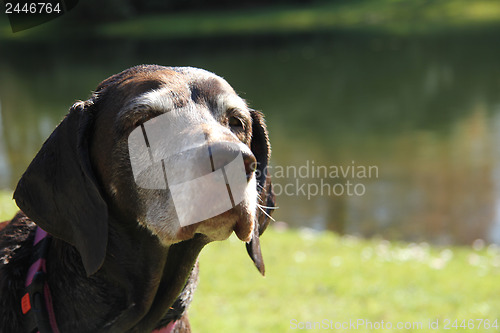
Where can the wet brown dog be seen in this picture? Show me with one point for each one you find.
(118, 261)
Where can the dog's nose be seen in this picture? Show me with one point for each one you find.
(222, 154)
(250, 164)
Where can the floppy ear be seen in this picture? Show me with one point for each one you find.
(59, 191)
(261, 148)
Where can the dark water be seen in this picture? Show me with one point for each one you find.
(414, 124)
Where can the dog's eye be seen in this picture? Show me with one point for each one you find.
(235, 122)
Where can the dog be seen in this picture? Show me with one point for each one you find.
(111, 253)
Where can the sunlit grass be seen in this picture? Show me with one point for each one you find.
(7, 205)
(317, 276)
(314, 276)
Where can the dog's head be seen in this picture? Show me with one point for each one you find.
(133, 148)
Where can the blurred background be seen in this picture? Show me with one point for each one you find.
(409, 86)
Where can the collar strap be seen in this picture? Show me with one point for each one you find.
(36, 304)
(167, 329)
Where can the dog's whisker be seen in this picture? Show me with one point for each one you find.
(267, 207)
(269, 216)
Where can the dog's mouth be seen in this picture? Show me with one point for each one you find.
(244, 229)
(239, 217)
(240, 220)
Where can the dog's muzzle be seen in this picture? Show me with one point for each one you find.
(204, 179)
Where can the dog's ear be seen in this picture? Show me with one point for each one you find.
(261, 148)
(59, 191)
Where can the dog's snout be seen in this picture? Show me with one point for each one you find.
(222, 153)
(250, 164)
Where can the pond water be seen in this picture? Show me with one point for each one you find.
(371, 135)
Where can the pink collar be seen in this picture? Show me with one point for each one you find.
(36, 304)
(167, 329)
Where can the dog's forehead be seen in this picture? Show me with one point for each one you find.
(204, 80)
(179, 86)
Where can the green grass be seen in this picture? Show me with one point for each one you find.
(313, 277)
(7, 205)
(317, 276)
(398, 17)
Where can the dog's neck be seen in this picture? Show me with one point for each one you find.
(137, 284)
